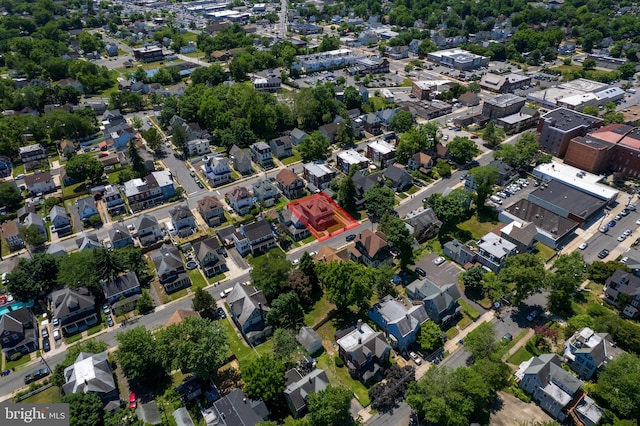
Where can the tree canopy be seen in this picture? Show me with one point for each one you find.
(462, 149)
(330, 407)
(314, 147)
(450, 209)
(417, 139)
(378, 200)
(619, 385)
(270, 272)
(84, 408)
(484, 178)
(138, 355)
(286, 312)
(346, 283)
(430, 337)
(84, 166)
(264, 378)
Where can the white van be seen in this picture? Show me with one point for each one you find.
(225, 293)
(171, 229)
(495, 199)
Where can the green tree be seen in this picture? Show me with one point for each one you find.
(401, 122)
(108, 263)
(442, 168)
(330, 407)
(314, 147)
(145, 303)
(78, 268)
(263, 378)
(591, 110)
(345, 283)
(286, 312)
(32, 236)
(344, 134)
(619, 385)
(33, 277)
(419, 138)
(84, 166)
(179, 138)
(430, 337)
(383, 280)
(9, 195)
(589, 64)
(308, 267)
(520, 155)
(285, 347)
(481, 341)
(494, 287)
(136, 121)
(378, 200)
(524, 274)
(203, 301)
(462, 150)
(212, 75)
(347, 192)
(484, 178)
(137, 163)
(472, 277)
(493, 135)
(153, 138)
(578, 322)
(84, 409)
(196, 344)
(450, 209)
(599, 271)
(627, 70)
(299, 282)
(138, 355)
(351, 98)
(398, 237)
(270, 272)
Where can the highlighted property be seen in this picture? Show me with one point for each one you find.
(322, 216)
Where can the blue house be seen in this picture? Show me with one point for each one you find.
(441, 303)
(86, 207)
(60, 220)
(122, 293)
(400, 322)
(5, 167)
(120, 236)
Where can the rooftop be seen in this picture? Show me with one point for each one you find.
(571, 200)
(576, 178)
(566, 119)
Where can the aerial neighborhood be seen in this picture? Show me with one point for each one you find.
(319, 213)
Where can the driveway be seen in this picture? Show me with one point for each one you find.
(75, 218)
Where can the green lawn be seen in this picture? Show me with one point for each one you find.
(72, 339)
(476, 227)
(412, 190)
(216, 278)
(506, 345)
(244, 354)
(47, 396)
(469, 310)
(319, 311)
(543, 252)
(18, 169)
(520, 356)
(74, 190)
(293, 159)
(95, 329)
(451, 333)
(464, 322)
(17, 364)
(175, 296)
(340, 377)
(197, 279)
(308, 240)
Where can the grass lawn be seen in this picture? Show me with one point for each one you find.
(308, 240)
(465, 321)
(18, 169)
(175, 296)
(451, 333)
(340, 377)
(543, 252)
(377, 103)
(293, 159)
(319, 311)
(412, 190)
(216, 278)
(95, 329)
(47, 396)
(72, 339)
(476, 227)
(402, 195)
(505, 346)
(244, 354)
(520, 356)
(189, 36)
(74, 190)
(24, 359)
(197, 279)
(469, 310)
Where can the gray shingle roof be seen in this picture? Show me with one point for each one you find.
(67, 300)
(244, 300)
(124, 282)
(90, 373)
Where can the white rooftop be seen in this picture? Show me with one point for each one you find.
(426, 84)
(317, 169)
(131, 187)
(163, 177)
(357, 336)
(350, 156)
(382, 146)
(569, 175)
(496, 245)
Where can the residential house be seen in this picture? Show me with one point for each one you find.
(261, 154)
(386, 115)
(441, 303)
(123, 293)
(18, 332)
(249, 307)
(40, 182)
(298, 387)
(56, 250)
(180, 315)
(75, 309)
(148, 229)
(309, 339)
(88, 242)
(170, 268)
(469, 99)
(11, 234)
(208, 254)
(217, 170)
(363, 351)
(622, 289)
(237, 409)
(32, 155)
(345, 159)
(381, 152)
(25, 210)
(86, 207)
(155, 188)
(35, 220)
(197, 147)
(183, 220)
(265, 192)
(363, 182)
(256, 237)
(372, 124)
(5, 167)
(292, 225)
(493, 251)
(400, 178)
(241, 200)
(421, 162)
(212, 210)
(241, 159)
(587, 351)
(505, 172)
(60, 220)
(269, 84)
(423, 224)
(281, 147)
(317, 212)
(400, 323)
(329, 131)
(120, 236)
(370, 248)
(556, 390)
(522, 234)
(91, 373)
(67, 148)
(318, 176)
(297, 136)
(113, 200)
(290, 184)
(397, 52)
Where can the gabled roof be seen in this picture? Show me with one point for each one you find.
(56, 250)
(67, 300)
(257, 230)
(202, 248)
(10, 229)
(14, 321)
(145, 221)
(208, 203)
(238, 193)
(37, 177)
(119, 233)
(397, 174)
(179, 315)
(90, 373)
(244, 300)
(125, 282)
(308, 337)
(239, 153)
(86, 202)
(34, 219)
(167, 259)
(440, 297)
(286, 177)
(299, 390)
(372, 241)
(236, 409)
(56, 212)
(88, 241)
(180, 213)
(405, 318)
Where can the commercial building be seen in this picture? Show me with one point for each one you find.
(505, 83)
(366, 66)
(502, 106)
(149, 54)
(338, 58)
(575, 178)
(558, 127)
(425, 89)
(458, 59)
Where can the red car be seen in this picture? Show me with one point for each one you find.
(132, 401)
(473, 137)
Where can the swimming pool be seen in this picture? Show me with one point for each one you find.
(15, 306)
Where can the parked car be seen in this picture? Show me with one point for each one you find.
(46, 345)
(618, 217)
(604, 253)
(416, 358)
(583, 245)
(611, 224)
(625, 212)
(439, 260)
(226, 292)
(133, 403)
(56, 334)
(532, 315)
(221, 313)
(507, 337)
(604, 229)
(45, 333)
(56, 322)
(421, 272)
(350, 237)
(106, 309)
(622, 237)
(109, 320)
(627, 232)
(632, 207)
(624, 259)
(36, 375)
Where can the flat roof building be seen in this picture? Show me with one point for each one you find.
(558, 127)
(458, 59)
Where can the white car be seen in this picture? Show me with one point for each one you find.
(56, 334)
(415, 357)
(624, 259)
(439, 260)
(622, 237)
(627, 232)
(583, 246)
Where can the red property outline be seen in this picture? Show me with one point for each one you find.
(344, 220)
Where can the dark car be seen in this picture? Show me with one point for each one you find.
(36, 375)
(604, 253)
(46, 346)
(200, 185)
(109, 320)
(350, 237)
(420, 272)
(221, 313)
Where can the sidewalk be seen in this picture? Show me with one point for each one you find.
(520, 343)
(452, 345)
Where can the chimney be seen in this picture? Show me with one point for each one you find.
(359, 325)
(244, 400)
(261, 311)
(359, 340)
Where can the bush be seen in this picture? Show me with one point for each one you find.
(339, 362)
(16, 356)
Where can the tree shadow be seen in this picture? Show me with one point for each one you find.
(151, 389)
